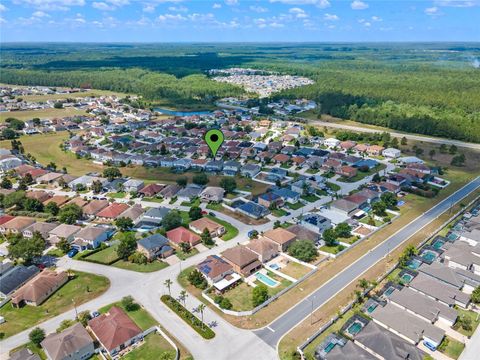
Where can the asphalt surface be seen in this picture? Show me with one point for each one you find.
(286, 322)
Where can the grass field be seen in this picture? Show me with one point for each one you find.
(83, 287)
(105, 256)
(451, 347)
(145, 268)
(295, 270)
(231, 231)
(154, 347)
(41, 113)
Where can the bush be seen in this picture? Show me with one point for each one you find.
(129, 304)
(36, 336)
(259, 295)
(196, 279)
(303, 250)
(225, 304)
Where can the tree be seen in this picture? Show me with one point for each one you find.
(379, 208)
(6, 183)
(65, 324)
(52, 166)
(183, 297)
(172, 220)
(452, 149)
(26, 249)
(112, 173)
(168, 283)
(475, 297)
(14, 199)
(432, 153)
(36, 336)
(443, 149)
(253, 234)
(127, 246)
(84, 317)
(330, 237)
(225, 304)
(129, 304)
(303, 250)
(195, 213)
(8, 134)
(58, 105)
(124, 223)
(52, 208)
(259, 295)
(277, 224)
(163, 150)
(376, 178)
(363, 284)
(31, 204)
(97, 187)
(229, 184)
(182, 181)
(138, 258)
(69, 214)
(207, 238)
(343, 230)
(185, 246)
(403, 141)
(418, 151)
(458, 160)
(64, 246)
(389, 199)
(200, 179)
(201, 309)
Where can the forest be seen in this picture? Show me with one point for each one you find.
(430, 88)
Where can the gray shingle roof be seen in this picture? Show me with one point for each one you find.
(16, 277)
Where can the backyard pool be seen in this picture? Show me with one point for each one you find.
(274, 266)
(389, 291)
(452, 236)
(429, 255)
(407, 278)
(267, 280)
(329, 347)
(438, 244)
(371, 308)
(414, 264)
(355, 328)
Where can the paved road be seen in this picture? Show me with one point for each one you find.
(279, 327)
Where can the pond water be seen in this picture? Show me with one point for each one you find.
(180, 113)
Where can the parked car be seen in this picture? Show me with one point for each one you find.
(429, 346)
(95, 314)
(212, 214)
(72, 253)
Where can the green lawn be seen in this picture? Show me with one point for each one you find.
(116, 195)
(361, 175)
(105, 256)
(153, 199)
(155, 347)
(148, 267)
(55, 252)
(451, 347)
(310, 198)
(330, 249)
(83, 287)
(183, 255)
(474, 317)
(141, 317)
(332, 186)
(195, 202)
(295, 206)
(215, 206)
(279, 212)
(231, 231)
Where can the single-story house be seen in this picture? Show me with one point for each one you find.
(14, 277)
(133, 185)
(170, 191)
(253, 210)
(153, 217)
(38, 289)
(112, 211)
(94, 207)
(214, 268)
(73, 343)
(151, 190)
(344, 206)
(16, 225)
(287, 195)
(270, 199)
(303, 233)
(283, 238)
(43, 228)
(250, 170)
(181, 235)
(212, 193)
(189, 193)
(63, 231)
(201, 224)
(316, 222)
(392, 153)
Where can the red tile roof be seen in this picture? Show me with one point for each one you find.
(180, 235)
(112, 211)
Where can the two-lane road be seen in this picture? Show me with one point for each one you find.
(286, 322)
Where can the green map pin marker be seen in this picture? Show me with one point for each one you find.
(214, 139)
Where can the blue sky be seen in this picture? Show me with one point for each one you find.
(239, 20)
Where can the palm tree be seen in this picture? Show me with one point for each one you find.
(168, 283)
(363, 284)
(200, 309)
(183, 297)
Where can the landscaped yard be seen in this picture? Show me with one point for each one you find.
(195, 202)
(231, 231)
(83, 287)
(361, 175)
(295, 270)
(451, 347)
(154, 347)
(474, 317)
(116, 195)
(183, 255)
(55, 252)
(310, 198)
(141, 317)
(295, 206)
(105, 256)
(148, 267)
(331, 249)
(332, 186)
(279, 212)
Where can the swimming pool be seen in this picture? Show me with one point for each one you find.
(355, 328)
(452, 236)
(414, 264)
(389, 291)
(438, 244)
(329, 347)
(371, 308)
(407, 277)
(429, 256)
(267, 280)
(274, 266)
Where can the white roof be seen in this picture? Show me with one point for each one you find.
(224, 283)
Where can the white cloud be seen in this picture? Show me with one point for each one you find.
(299, 13)
(359, 5)
(40, 14)
(301, 2)
(330, 17)
(3, 7)
(103, 6)
(2, 20)
(118, 2)
(457, 3)
(217, 6)
(431, 11)
(178, 8)
(258, 9)
(148, 8)
(171, 18)
(231, 2)
(54, 5)
(376, 18)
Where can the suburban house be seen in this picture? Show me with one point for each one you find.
(212, 193)
(14, 277)
(303, 233)
(344, 206)
(201, 224)
(391, 153)
(38, 289)
(153, 217)
(181, 235)
(463, 280)
(63, 231)
(264, 248)
(133, 185)
(461, 255)
(214, 268)
(115, 330)
(16, 225)
(254, 210)
(316, 222)
(170, 191)
(24, 354)
(154, 246)
(151, 190)
(281, 237)
(94, 207)
(270, 199)
(112, 211)
(243, 260)
(132, 213)
(250, 170)
(287, 195)
(38, 195)
(43, 228)
(90, 237)
(346, 171)
(190, 192)
(73, 343)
